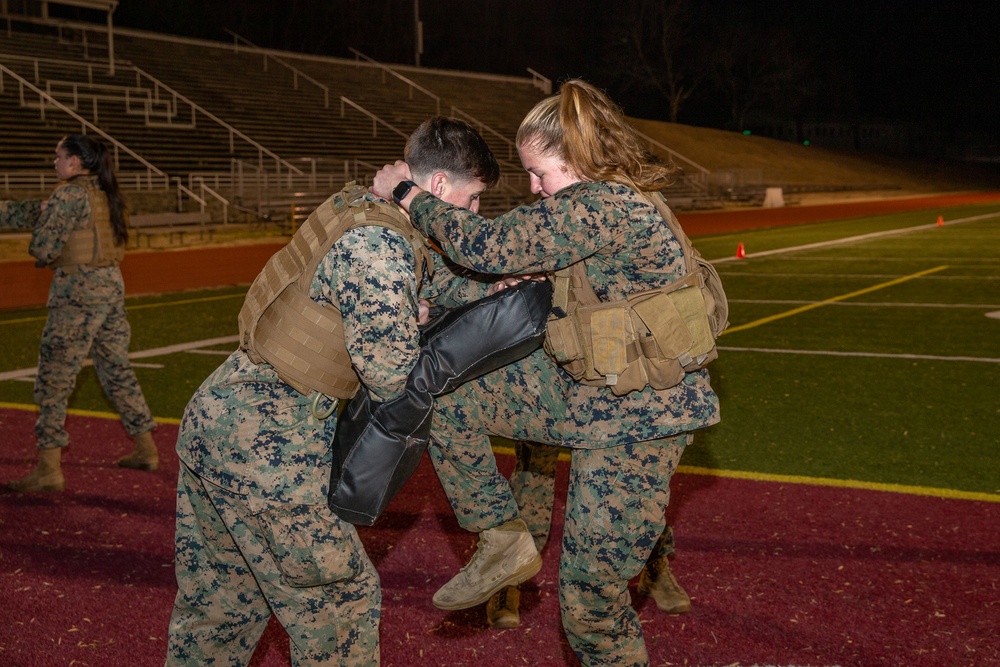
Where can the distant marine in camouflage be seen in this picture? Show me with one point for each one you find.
(80, 233)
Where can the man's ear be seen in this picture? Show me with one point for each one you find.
(439, 183)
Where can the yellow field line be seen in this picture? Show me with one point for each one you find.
(182, 302)
(817, 481)
(100, 414)
(842, 297)
(844, 483)
(22, 320)
(688, 470)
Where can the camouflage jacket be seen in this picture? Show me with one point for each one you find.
(67, 210)
(20, 214)
(249, 432)
(626, 247)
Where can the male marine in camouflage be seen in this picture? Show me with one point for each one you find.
(254, 535)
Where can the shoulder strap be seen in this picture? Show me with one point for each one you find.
(717, 303)
(689, 252)
(572, 286)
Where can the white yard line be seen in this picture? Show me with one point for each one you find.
(881, 355)
(848, 276)
(852, 239)
(141, 354)
(872, 304)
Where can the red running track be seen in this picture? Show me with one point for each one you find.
(158, 271)
(779, 574)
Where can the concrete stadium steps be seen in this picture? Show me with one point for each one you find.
(279, 107)
(265, 104)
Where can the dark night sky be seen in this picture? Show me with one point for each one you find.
(936, 63)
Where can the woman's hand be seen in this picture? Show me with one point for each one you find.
(510, 281)
(388, 177)
(423, 312)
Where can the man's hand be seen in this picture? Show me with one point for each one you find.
(388, 177)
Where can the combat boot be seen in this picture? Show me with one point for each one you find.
(144, 456)
(658, 582)
(505, 556)
(47, 475)
(502, 609)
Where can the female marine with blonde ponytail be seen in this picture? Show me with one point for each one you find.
(600, 212)
(590, 131)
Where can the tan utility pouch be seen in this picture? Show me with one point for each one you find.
(650, 338)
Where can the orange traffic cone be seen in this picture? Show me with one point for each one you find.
(740, 251)
(940, 222)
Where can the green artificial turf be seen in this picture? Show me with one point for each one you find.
(841, 362)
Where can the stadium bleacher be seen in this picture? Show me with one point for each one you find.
(229, 129)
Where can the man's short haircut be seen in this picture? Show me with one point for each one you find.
(452, 146)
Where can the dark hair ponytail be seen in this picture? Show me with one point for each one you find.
(94, 157)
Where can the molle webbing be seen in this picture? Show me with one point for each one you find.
(95, 244)
(650, 338)
(279, 324)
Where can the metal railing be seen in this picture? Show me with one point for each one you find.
(199, 182)
(37, 62)
(699, 179)
(45, 100)
(172, 103)
(375, 119)
(455, 111)
(543, 83)
(244, 175)
(233, 132)
(484, 128)
(139, 98)
(296, 72)
(388, 70)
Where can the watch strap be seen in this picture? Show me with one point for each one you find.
(401, 190)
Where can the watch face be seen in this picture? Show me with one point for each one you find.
(402, 190)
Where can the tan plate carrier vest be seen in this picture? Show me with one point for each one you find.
(650, 338)
(303, 340)
(94, 245)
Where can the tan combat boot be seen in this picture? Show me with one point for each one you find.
(47, 475)
(502, 609)
(144, 456)
(658, 582)
(505, 556)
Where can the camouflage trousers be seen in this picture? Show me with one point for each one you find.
(237, 563)
(70, 334)
(614, 510)
(533, 483)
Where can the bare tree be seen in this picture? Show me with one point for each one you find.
(657, 51)
(757, 67)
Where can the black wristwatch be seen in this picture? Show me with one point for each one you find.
(400, 191)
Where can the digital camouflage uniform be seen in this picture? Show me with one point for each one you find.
(625, 448)
(254, 534)
(86, 316)
(533, 484)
